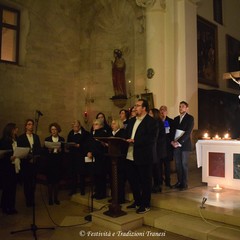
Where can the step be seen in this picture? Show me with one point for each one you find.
(190, 226)
(179, 212)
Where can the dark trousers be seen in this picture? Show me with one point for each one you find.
(28, 178)
(78, 174)
(100, 185)
(140, 180)
(164, 166)
(181, 158)
(9, 184)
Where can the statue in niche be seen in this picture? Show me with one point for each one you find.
(118, 75)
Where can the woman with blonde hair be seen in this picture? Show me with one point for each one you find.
(96, 150)
(118, 130)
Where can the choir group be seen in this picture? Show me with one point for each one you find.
(150, 135)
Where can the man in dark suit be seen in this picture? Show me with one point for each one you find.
(168, 124)
(141, 135)
(28, 165)
(183, 126)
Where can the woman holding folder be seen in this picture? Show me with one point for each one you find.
(54, 151)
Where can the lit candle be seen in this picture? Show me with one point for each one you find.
(227, 136)
(216, 137)
(206, 136)
(217, 188)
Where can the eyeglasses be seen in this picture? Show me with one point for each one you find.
(137, 105)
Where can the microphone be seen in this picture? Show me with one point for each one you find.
(39, 113)
(203, 202)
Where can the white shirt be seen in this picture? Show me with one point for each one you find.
(30, 139)
(181, 117)
(130, 147)
(55, 139)
(80, 132)
(114, 132)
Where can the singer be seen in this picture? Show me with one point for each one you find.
(29, 139)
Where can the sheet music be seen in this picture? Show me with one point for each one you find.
(21, 152)
(89, 160)
(178, 134)
(3, 152)
(70, 144)
(52, 145)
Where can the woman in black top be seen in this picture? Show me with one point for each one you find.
(97, 150)
(124, 116)
(101, 116)
(7, 169)
(54, 162)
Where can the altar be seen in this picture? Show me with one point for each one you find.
(220, 162)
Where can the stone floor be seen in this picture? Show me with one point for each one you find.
(68, 219)
(174, 215)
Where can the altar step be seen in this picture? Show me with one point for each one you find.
(178, 212)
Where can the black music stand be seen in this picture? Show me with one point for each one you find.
(115, 146)
(33, 226)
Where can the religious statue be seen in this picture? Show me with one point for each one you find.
(118, 75)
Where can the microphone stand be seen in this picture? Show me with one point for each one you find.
(89, 217)
(38, 114)
(33, 226)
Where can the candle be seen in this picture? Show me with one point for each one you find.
(216, 137)
(206, 136)
(217, 188)
(227, 136)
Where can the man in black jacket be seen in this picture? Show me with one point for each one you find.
(141, 135)
(183, 126)
(168, 124)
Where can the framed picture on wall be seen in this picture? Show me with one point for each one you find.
(207, 52)
(149, 98)
(233, 61)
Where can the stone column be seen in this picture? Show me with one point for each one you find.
(186, 80)
(155, 55)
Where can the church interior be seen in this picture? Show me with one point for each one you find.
(56, 65)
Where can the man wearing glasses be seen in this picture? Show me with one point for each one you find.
(141, 135)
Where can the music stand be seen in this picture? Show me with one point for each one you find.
(33, 226)
(115, 146)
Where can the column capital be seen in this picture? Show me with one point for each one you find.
(152, 4)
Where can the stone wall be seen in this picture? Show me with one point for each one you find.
(66, 47)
